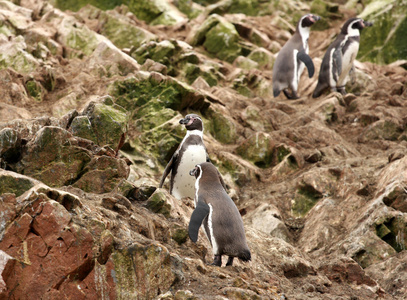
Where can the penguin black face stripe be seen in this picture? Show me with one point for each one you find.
(192, 122)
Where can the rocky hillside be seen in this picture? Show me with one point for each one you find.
(91, 93)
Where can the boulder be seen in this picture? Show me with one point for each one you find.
(218, 36)
(258, 149)
(14, 54)
(384, 43)
(53, 151)
(103, 122)
(117, 26)
(107, 60)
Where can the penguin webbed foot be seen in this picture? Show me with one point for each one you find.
(217, 261)
(230, 261)
(293, 95)
(341, 89)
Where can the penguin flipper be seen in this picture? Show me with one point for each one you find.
(337, 59)
(167, 170)
(306, 59)
(197, 217)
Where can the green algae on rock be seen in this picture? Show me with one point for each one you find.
(385, 42)
(11, 182)
(258, 149)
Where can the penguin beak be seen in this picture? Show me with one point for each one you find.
(184, 121)
(367, 24)
(192, 172)
(316, 18)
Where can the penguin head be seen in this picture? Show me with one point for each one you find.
(195, 171)
(353, 25)
(307, 21)
(192, 122)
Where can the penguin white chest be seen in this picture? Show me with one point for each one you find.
(347, 62)
(184, 184)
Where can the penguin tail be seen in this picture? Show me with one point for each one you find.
(245, 255)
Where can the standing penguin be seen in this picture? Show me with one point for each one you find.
(338, 60)
(293, 58)
(190, 152)
(219, 214)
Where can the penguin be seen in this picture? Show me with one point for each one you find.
(293, 58)
(191, 151)
(337, 63)
(218, 213)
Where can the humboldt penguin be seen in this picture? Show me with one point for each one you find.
(218, 213)
(293, 58)
(191, 151)
(337, 63)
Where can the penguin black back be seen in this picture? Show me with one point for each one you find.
(218, 213)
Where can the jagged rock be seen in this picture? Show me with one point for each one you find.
(104, 123)
(221, 127)
(245, 63)
(117, 26)
(78, 39)
(102, 174)
(258, 149)
(384, 44)
(107, 60)
(15, 183)
(267, 218)
(14, 54)
(263, 57)
(388, 129)
(52, 152)
(213, 34)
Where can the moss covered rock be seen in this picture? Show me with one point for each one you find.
(385, 42)
(258, 149)
(151, 11)
(17, 184)
(218, 36)
(141, 271)
(221, 126)
(14, 54)
(263, 57)
(53, 158)
(118, 27)
(102, 174)
(10, 145)
(158, 203)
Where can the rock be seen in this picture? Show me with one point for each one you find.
(218, 36)
(117, 26)
(258, 149)
(50, 153)
(383, 44)
(389, 274)
(6, 265)
(78, 38)
(158, 203)
(221, 127)
(245, 63)
(263, 57)
(108, 60)
(14, 54)
(14, 183)
(104, 123)
(388, 129)
(267, 218)
(102, 174)
(10, 145)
